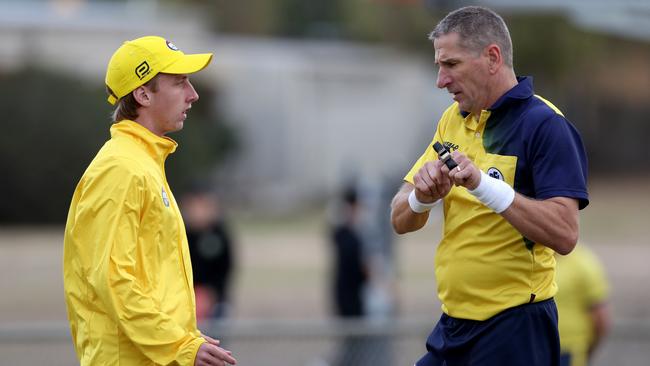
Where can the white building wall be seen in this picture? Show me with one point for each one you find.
(314, 112)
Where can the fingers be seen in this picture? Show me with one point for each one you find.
(431, 181)
(434, 180)
(424, 181)
(465, 173)
(460, 176)
(211, 340)
(213, 355)
(222, 354)
(443, 181)
(203, 357)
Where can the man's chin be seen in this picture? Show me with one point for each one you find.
(177, 127)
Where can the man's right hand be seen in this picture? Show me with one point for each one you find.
(431, 184)
(210, 354)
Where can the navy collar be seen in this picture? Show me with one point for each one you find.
(523, 90)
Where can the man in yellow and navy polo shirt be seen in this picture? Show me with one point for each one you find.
(511, 202)
(127, 273)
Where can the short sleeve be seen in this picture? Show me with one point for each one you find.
(559, 161)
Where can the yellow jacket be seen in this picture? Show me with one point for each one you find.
(126, 264)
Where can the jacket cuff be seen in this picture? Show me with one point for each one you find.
(187, 355)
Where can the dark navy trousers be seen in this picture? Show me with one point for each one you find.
(525, 335)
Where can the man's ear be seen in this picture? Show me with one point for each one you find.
(495, 59)
(142, 96)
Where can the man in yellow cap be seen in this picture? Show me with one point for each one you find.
(126, 264)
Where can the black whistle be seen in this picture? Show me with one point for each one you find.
(444, 155)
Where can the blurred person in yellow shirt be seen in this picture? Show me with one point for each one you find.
(584, 317)
(126, 263)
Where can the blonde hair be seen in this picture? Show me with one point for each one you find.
(127, 106)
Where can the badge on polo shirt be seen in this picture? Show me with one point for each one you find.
(495, 173)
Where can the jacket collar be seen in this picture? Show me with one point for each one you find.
(158, 148)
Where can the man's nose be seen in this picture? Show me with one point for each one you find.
(193, 95)
(443, 79)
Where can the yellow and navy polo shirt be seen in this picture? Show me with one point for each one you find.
(483, 265)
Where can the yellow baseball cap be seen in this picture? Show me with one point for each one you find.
(139, 60)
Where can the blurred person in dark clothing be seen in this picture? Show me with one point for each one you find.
(210, 242)
(350, 274)
(350, 278)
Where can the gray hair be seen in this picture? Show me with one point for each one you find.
(477, 27)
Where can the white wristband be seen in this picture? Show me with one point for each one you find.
(419, 207)
(494, 193)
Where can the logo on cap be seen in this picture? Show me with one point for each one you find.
(142, 70)
(171, 46)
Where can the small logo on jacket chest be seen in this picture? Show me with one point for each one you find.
(165, 197)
